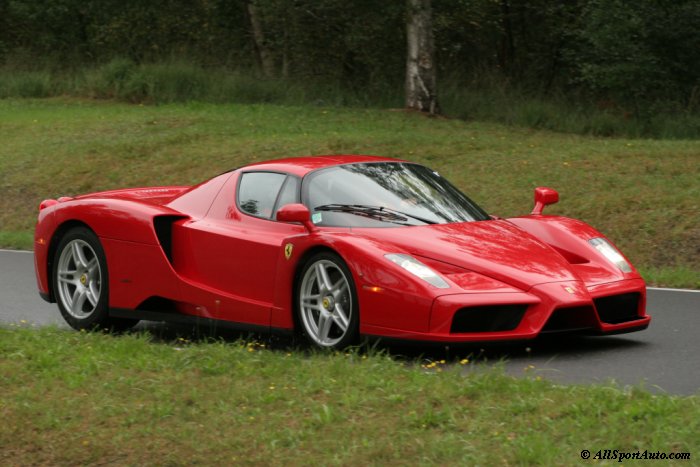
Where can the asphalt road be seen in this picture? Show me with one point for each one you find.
(663, 358)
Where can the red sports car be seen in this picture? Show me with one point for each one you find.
(332, 247)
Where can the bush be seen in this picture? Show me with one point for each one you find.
(108, 80)
(25, 84)
(485, 97)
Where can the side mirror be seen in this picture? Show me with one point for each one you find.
(544, 197)
(296, 213)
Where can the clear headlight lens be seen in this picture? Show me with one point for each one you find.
(418, 269)
(611, 253)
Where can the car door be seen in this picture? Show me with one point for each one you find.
(229, 258)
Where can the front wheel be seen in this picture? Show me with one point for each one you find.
(80, 281)
(326, 299)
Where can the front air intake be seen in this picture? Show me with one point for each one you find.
(571, 319)
(496, 318)
(617, 309)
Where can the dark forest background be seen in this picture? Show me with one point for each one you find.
(592, 66)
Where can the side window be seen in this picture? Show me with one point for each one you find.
(289, 192)
(257, 192)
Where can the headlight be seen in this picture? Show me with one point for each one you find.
(418, 269)
(611, 253)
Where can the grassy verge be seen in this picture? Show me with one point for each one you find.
(679, 277)
(16, 240)
(643, 194)
(86, 398)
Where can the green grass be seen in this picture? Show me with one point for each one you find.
(17, 240)
(671, 277)
(87, 398)
(643, 194)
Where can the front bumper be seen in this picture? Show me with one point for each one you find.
(556, 307)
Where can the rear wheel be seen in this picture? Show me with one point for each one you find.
(80, 282)
(326, 299)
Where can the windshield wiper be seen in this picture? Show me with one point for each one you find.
(391, 215)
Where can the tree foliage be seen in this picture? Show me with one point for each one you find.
(640, 51)
(634, 54)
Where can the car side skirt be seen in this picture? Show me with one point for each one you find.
(197, 321)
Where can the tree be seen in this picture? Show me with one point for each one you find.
(640, 54)
(264, 55)
(420, 58)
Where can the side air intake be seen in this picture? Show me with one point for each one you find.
(163, 226)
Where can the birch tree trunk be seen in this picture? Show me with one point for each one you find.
(265, 58)
(420, 58)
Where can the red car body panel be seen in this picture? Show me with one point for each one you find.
(219, 263)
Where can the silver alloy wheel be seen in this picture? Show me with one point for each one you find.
(79, 279)
(325, 301)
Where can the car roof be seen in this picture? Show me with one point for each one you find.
(300, 166)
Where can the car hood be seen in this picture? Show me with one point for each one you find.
(495, 248)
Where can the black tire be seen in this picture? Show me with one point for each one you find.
(328, 317)
(81, 282)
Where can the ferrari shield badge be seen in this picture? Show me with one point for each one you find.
(288, 250)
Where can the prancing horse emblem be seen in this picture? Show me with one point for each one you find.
(288, 250)
(569, 289)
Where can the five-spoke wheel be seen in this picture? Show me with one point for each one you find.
(80, 282)
(79, 279)
(327, 302)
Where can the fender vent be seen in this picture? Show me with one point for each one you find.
(495, 318)
(163, 226)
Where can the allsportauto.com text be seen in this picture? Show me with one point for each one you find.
(616, 454)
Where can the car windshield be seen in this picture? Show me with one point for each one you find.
(385, 194)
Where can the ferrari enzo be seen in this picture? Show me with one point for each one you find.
(332, 247)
